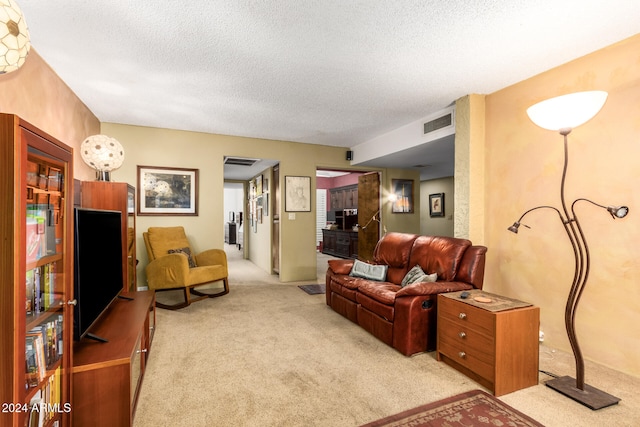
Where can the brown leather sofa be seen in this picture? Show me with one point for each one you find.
(405, 317)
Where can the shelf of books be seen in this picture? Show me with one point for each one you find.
(36, 283)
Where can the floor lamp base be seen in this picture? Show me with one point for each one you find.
(590, 396)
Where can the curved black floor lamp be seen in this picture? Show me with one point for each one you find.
(552, 115)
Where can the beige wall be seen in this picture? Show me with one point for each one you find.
(164, 147)
(37, 95)
(523, 170)
(439, 225)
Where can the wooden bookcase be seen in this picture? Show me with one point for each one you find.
(36, 276)
(107, 375)
(117, 196)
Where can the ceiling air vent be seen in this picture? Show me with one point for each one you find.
(439, 123)
(240, 161)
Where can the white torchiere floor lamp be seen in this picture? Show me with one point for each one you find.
(562, 114)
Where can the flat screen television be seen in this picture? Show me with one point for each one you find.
(97, 266)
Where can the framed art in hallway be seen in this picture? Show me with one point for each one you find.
(167, 191)
(436, 204)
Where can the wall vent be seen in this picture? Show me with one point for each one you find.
(240, 161)
(439, 123)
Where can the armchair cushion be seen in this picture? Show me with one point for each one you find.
(187, 252)
(163, 239)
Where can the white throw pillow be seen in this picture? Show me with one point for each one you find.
(369, 271)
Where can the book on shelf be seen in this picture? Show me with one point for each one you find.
(41, 229)
(30, 292)
(31, 362)
(38, 353)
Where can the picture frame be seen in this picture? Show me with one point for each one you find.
(436, 204)
(297, 193)
(167, 191)
(402, 190)
(259, 185)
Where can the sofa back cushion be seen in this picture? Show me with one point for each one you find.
(438, 254)
(393, 250)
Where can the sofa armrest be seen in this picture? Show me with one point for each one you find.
(211, 257)
(340, 266)
(432, 288)
(168, 271)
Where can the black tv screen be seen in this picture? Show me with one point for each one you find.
(98, 265)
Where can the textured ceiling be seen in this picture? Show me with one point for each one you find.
(335, 72)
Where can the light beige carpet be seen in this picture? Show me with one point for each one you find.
(268, 354)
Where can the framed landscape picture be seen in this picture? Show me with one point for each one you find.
(167, 191)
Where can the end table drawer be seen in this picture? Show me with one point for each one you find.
(468, 340)
(474, 360)
(466, 316)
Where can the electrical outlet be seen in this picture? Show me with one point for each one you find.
(541, 336)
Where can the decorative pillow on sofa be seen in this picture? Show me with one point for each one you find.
(369, 271)
(416, 275)
(187, 252)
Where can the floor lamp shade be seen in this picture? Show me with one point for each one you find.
(14, 37)
(567, 111)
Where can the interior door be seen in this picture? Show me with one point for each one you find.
(368, 214)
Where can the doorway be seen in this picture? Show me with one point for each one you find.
(339, 234)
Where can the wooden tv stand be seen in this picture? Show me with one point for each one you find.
(107, 375)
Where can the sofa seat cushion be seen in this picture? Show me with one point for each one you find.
(383, 292)
(432, 288)
(382, 310)
(346, 285)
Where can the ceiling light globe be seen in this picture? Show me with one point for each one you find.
(567, 112)
(102, 153)
(14, 37)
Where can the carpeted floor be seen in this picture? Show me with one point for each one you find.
(268, 354)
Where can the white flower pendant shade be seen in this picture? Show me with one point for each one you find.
(567, 111)
(14, 37)
(102, 153)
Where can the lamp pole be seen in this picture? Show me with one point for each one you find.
(576, 388)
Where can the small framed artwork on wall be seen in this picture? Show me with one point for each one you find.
(297, 194)
(402, 196)
(436, 204)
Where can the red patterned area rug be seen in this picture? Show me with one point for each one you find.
(473, 408)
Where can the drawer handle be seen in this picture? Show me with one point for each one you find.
(462, 355)
(462, 334)
(462, 315)
(144, 350)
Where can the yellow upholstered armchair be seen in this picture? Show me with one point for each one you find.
(173, 265)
